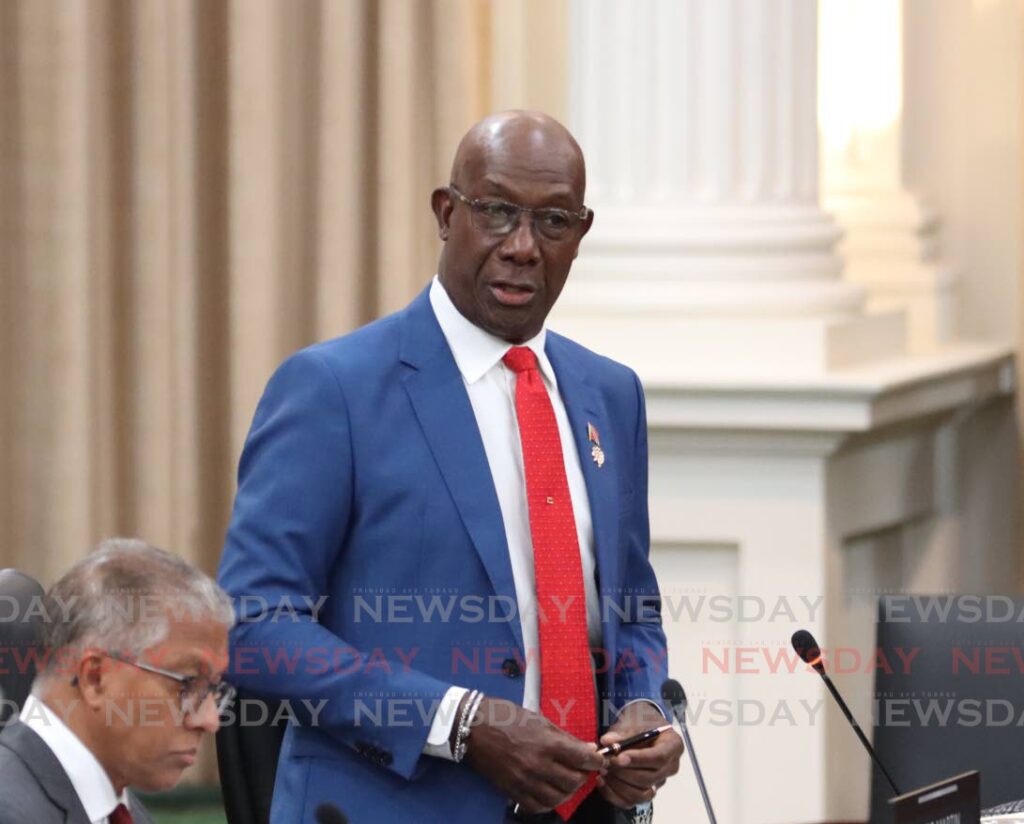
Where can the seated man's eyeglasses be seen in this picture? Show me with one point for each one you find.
(194, 688)
(499, 217)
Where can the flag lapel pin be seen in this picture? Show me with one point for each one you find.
(595, 445)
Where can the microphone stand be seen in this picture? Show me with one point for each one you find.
(679, 711)
(856, 728)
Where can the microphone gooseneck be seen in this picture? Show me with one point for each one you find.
(810, 653)
(672, 691)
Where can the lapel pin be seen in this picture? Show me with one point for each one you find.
(595, 445)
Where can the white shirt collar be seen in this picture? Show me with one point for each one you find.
(475, 351)
(90, 780)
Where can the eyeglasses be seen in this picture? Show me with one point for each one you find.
(499, 217)
(194, 688)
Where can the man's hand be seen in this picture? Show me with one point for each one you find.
(527, 757)
(634, 775)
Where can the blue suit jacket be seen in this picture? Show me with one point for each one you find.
(364, 479)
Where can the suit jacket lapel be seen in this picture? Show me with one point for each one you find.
(43, 764)
(584, 406)
(442, 406)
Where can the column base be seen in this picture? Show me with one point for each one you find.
(926, 292)
(666, 346)
(776, 507)
(891, 250)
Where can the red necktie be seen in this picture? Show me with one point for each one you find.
(121, 815)
(566, 678)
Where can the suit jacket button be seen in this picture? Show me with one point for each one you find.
(510, 667)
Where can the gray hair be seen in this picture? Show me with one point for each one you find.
(120, 598)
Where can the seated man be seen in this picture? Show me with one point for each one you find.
(135, 642)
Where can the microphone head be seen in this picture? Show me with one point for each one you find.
(808, 650)
(327, 813)
(672, 691)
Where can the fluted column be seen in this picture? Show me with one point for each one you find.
(890, 240)
(777, 474)
(698, 120)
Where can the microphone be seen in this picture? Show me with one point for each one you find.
(810, 653)
(672, 691)
(327, 813)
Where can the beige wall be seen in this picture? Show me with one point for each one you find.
(964, 148)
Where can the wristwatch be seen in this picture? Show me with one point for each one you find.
(641, 814)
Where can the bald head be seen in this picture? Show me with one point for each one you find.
(511, 221)
(525, 136)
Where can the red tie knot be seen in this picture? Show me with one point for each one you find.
(520, 359)
(121, 815)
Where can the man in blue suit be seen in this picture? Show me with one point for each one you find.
(451, 503)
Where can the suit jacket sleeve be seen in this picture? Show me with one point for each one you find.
(642, 663)
(290, 521)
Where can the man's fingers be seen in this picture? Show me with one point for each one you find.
(540, 796)
(634, 760)
(577, 755)
(548, 792)
(634, 795)
(531, 805)
(647, 766)
(639, 781)
(611, 737)
(622, 794)
(613, 797)
(666, 748)
(564, 779)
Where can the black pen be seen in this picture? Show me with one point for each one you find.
(633, 741)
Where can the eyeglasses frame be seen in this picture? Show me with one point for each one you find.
(226, 690)
(473, 203)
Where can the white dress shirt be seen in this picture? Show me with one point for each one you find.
(491, 388)
(90, 780)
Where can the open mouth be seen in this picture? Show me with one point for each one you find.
(512, 294)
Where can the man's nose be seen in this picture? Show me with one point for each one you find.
(520, 245)
(206, 717)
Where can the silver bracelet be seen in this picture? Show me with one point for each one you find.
(459, 750)
(477, 701)
(473, 711)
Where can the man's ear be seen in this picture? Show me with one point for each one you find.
(90, 677)
(587, 223)
(442, 205)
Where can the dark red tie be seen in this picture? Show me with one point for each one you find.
(121, 815)
(566, 678)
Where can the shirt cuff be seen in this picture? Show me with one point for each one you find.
(654, 704)
(441, 727)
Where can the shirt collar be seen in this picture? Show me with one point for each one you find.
(89, 779)
(476, 352)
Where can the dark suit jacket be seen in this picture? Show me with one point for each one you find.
(364, 479)
(36, 790)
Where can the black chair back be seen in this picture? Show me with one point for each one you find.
(21, 627)
(958, 703)
(247, 752)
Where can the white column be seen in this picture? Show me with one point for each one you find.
(890, 240)
(698, 120)
(799, 456)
